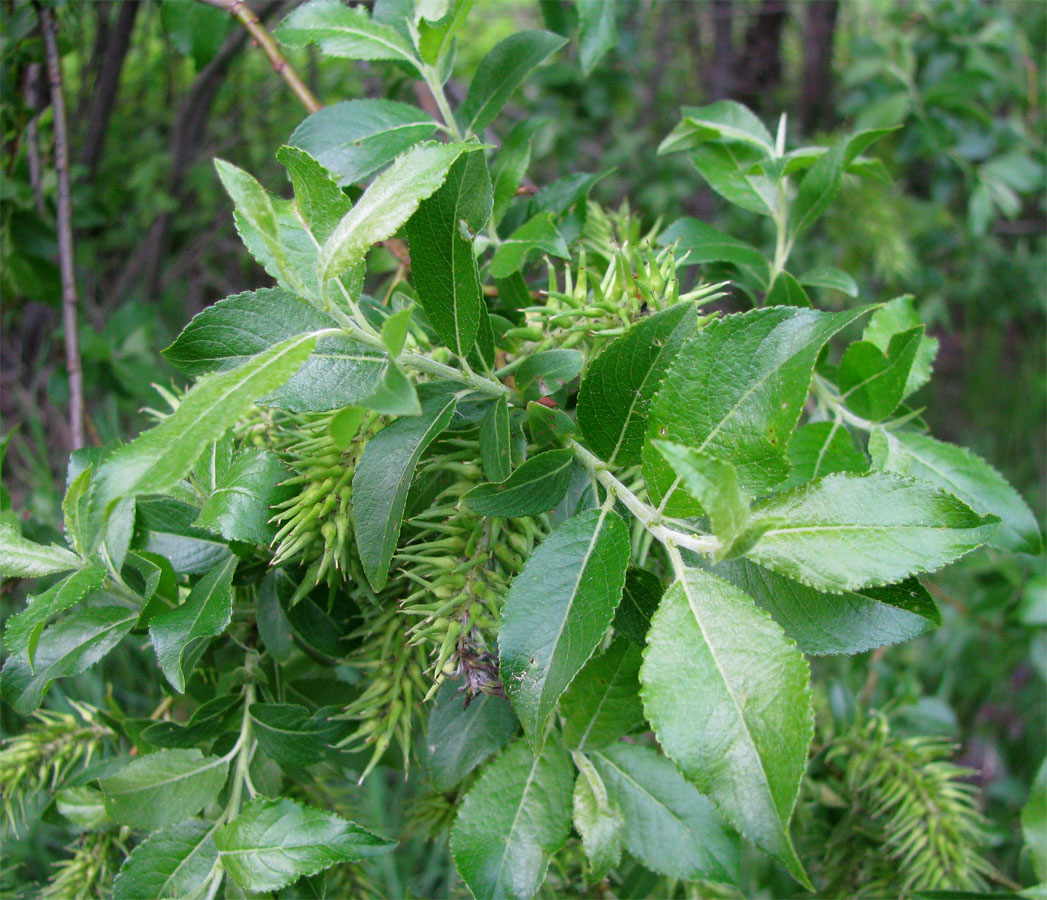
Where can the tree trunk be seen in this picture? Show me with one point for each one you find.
(819, 30)
(719, 81)
(758, 70)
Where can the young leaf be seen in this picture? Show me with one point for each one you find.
(536, 487)
(500, 73)
(516, 815)
(273, 842)
(896, 316)
(545, 372)
(597, 32)
(462, 734)
(208, 720)
(849, 531)
(787, 291)
(442, 257)
(205, 613)
(395, 394)
(157, 459)
(388, 203)
(873, 383)
(494, 442)
(76, 520)
(166, 529)
(548, 425)
(510, 165)
(967, 476)
(356, 138)
(725, 121)
(84, 807)
(696, 243)
(597, 819)
(383, 478)
(603, 701)
(163, 788)
(21, 558)
(728, 170)
(557, 610)
(238, 508)
(538, 233)
(317, 197)
(735, 392)
(293, 735)
(729, 699)
(669, 826)
(830, 278)
(395, 330)
(174, 862)
(617, 389)
(851, 622)
(822, 448)
(640, 597)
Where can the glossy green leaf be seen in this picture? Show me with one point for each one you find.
(537, 234)
(597, 819)
(463, 733)
(206, 613)
(548, 425)
(851, 622)
(356, 138)
(169, 865)
(495, 454)
(822, 448)
(615, 397)
(238, 508)
(317, 197)
(395, 330)
(22, 558)
(696, 243)
(640, 597)
(166, 529)
(535, 487)
(831, 278)
(727, 169)
(293, 735)
(516, 815)
(383, 478)
(500, 73)
(510, 164)
(669, 826)
(84, 806)
(787, 291)
(545, 372)
(557, 610)
(597, 32)
(896, 316)
(388, 203)
(872, 383)
(395, 394)
(443, 261)
(273, 842)
(209, 720)
(343, 31)
(735, 391)
(76, 514)
(163, 788)
(847, 531)
(724, 120)
(603, 701)
(728, 697)
(965, 475)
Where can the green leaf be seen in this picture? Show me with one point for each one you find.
(965, 475)
(603, 701)
(343, 31)
(831, 278)
(158, 458)
(535, 487)
(1034, 823)
(669, 826)
(83, 806)
(383, 478)
(872, 383)
(640, 597)
(23, 629)
(729, 700)
(21, 558)
(395, 395)
(442, 256)
(896, 316)
(273, 842)
(462, 733)
(726, 168)
(356, 138)
(293, 735)
(735, 391)
(851, 622)
(599, 821)
(395, 330)
(494, 442)
(172, 863)
(500, 73)
(516, 815)
(616, 392)
(210, 719)
(238, 508)
(166, 529)
(388, 203)
(510, 164)
(317, 197)
(724, 120)
(548, 425)
(206, 613)
(557, 610)
(822, 448)
(696, 243)
(538, 233)
(66, 648)
(75, 515)
(847, 531)
(163, 788)
(786, 291)
(545, 372)
(597, 32)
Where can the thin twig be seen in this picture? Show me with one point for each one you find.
(265, 40)
(70, 301)
(32, 100)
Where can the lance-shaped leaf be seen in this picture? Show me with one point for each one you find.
(597, 32)
(603, 701)
(728, 697)
(238, 508)
(383, 478)
(317, 197)
(174, 862)
(205, 613)
(851, 622)
(343, 31)
(500, 73)
(892, 318)
(22, 558)
(547, 371)
(831, 278)
(617, 389)
(965, 475)
(822, 448)
(510, 165)
(640, 597)
(724, 120)
(163, 788)
(495, 454)
(735, 392)
(669, 826)
(536, 234)
(516, 815)
(849, 531)
(535, 487)
(356, 138)
(273, 842)
(388, 203)
(696, 242)
(872, 383)
(597, 819)
(157, 459)
(293, 735)
(442, 257)
(786, 291)
(557, 610)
